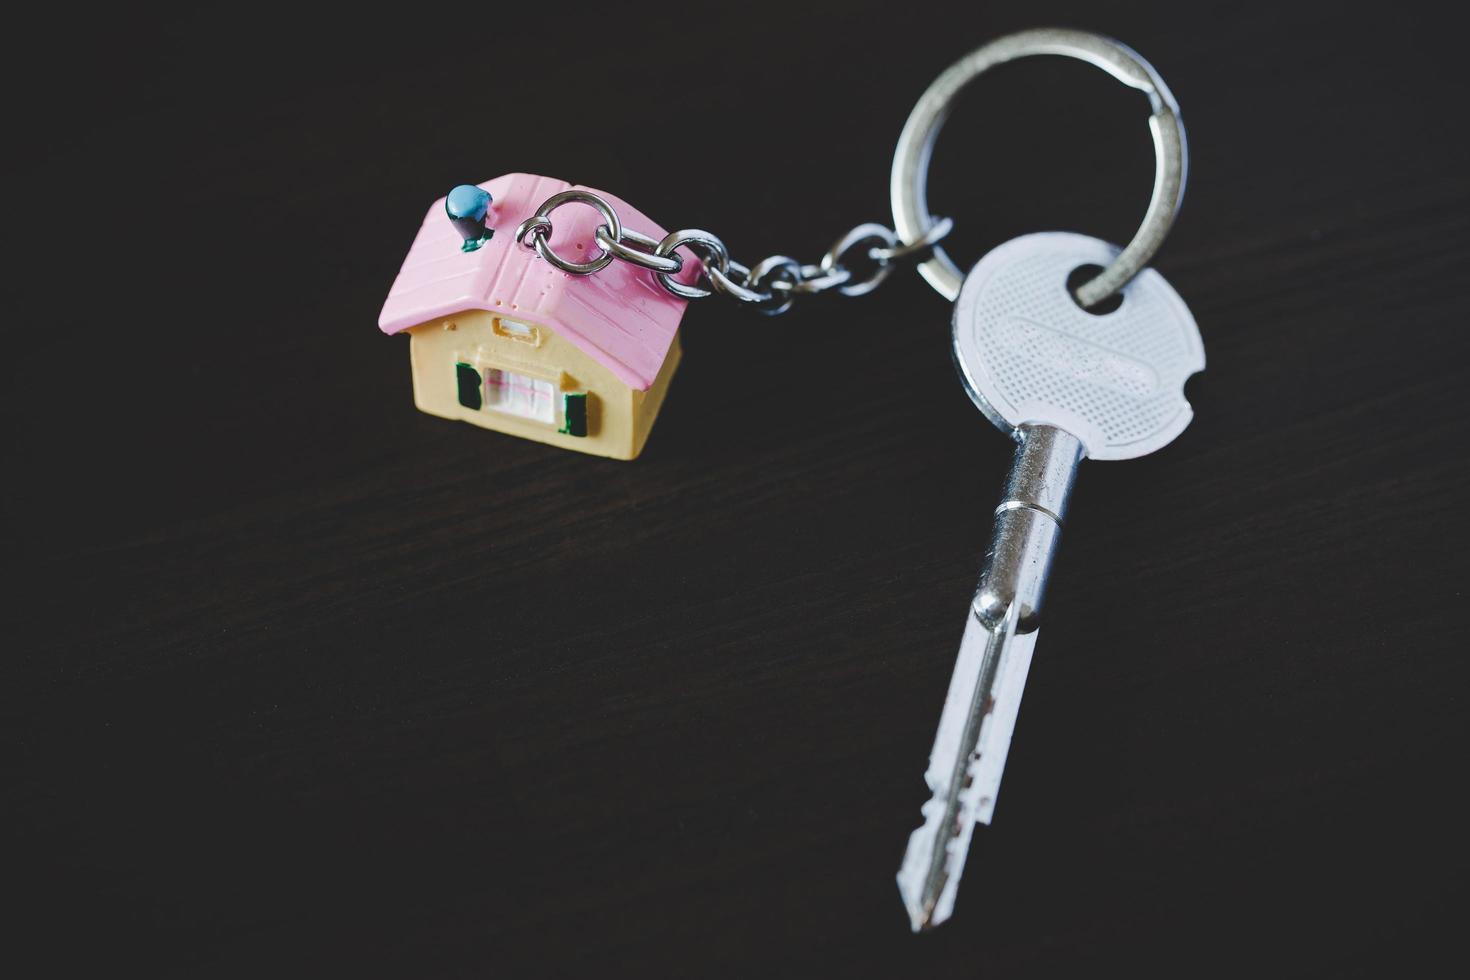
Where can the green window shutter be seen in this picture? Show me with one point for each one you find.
(467, 376)
(574, 413)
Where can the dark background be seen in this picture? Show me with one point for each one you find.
(298, 680)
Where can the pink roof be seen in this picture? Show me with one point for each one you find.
(621, 316)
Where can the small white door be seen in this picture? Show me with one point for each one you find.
(520, 394)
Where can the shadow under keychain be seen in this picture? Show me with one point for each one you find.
(567, 333)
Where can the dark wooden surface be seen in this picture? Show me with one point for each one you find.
(299, 681)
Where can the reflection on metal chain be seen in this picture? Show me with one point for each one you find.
(857, 263)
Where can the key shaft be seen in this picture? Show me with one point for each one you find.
(1028, 526)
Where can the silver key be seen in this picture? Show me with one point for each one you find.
(1065, 384)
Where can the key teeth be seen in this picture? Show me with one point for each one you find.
(924, 911)
(927, 910)
(923, 917)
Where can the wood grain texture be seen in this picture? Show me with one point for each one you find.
(299, 681)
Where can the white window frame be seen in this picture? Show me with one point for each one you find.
(521, 395)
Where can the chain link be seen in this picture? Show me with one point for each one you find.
(856, 264)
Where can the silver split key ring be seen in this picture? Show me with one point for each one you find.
(907, 186)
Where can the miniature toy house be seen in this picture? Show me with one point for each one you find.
(503, 339)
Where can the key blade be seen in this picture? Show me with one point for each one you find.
(965, 764)
(1010, 685)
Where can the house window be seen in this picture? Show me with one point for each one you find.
(520, 394)
(516, 330)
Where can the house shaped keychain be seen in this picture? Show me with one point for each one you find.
(509, 342)
(567, 332)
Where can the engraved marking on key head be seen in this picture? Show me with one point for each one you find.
(1028, 353)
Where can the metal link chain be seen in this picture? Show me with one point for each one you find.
(770, 286)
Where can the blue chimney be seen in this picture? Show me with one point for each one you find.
(467, 206)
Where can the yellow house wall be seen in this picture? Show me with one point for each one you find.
(618, 418)
(647, 403)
